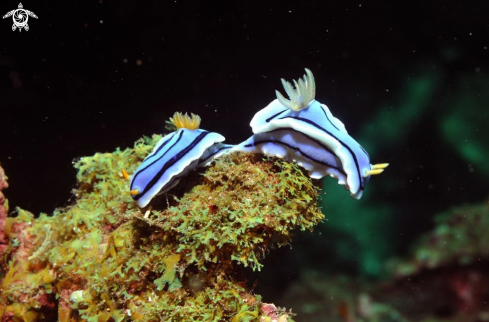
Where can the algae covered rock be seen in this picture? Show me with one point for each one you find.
(459, 238)
(105, 259)
(3, 212)
(446, 275)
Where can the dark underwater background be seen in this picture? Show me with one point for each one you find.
(409, 79)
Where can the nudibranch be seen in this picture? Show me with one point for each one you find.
(303, 130)
(174, 156)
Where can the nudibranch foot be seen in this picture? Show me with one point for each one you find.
(174, 156)
(294, 146)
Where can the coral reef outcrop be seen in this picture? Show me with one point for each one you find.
(3, 214)
(452, 260)
(105, 259)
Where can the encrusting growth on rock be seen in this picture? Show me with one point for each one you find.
(3, 213)
(105, 259)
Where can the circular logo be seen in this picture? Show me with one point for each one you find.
(20, 17)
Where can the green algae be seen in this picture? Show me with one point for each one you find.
(105, 259)
(242, 203)
(464, 129)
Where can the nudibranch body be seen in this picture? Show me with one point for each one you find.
(174, 156)
(303, 130)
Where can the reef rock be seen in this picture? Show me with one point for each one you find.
(105, 259)
(3, 213)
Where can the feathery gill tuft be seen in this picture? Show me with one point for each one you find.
(184, 121)
(303, 94)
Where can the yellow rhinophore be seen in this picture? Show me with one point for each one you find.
(125, 174)
(376, 169)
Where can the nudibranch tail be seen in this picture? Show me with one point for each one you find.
(302, 95)
(185, 122)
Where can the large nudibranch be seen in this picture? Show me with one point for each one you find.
(303, 130)
(174, 156)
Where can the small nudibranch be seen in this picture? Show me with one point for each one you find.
(303, 130)
(174, 156)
